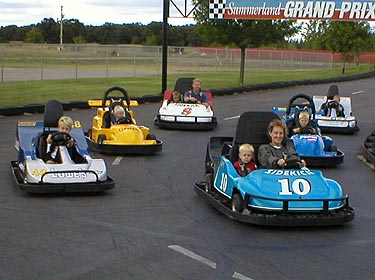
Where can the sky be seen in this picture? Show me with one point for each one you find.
(92, 12)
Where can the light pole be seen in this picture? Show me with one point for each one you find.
(61, 29)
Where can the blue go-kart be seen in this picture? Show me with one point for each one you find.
(316, 149)
(273, 197)
(33, 174)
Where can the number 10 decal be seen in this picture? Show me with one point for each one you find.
(224, 182)
(299, 186)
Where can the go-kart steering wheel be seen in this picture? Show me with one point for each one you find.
(293, 164)
(333, 104)
(124, 120)
(61, 138)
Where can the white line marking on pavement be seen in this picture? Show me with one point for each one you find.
(192, 255)
(117, 161)
(231, 118)
(203, 260)
(357, 92)
(241, 277)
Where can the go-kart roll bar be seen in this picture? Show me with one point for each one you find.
(303, 96)
(114, 88)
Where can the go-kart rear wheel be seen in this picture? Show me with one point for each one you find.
(332, 148)
(369, 145)
(150, 137)
(101, 138)
(237, 203)
(208, 183)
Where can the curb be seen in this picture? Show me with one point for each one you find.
(39, 108)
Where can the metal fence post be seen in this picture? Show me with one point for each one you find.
(2, 64)
(76, 51)
(41, 63)
(106, 60)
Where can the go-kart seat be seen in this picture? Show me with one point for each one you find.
(108, 119)
(53, 111)
(252, 128)
(183, 85)
(332, 91)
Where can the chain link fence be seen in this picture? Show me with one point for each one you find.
(20, 62)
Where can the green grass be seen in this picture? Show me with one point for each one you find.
(39, 92)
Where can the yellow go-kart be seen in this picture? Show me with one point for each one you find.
(123, 136)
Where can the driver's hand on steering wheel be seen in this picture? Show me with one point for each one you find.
(49, 140)
(281, 162)
(297, 130)
(303, 163)
(192, 99)
(70, 143)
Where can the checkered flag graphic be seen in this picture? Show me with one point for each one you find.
(217, 8)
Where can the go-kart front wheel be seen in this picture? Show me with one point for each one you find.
(101, 138)
(150, 137)
(237, 203)
(208, 183)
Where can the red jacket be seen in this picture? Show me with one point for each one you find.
(244, 169)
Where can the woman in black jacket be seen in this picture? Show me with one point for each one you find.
(279, 151)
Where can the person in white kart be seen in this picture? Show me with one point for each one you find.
(332, 106)
(196, 95)
(65, 125)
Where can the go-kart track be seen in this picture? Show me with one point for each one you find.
(153, 225)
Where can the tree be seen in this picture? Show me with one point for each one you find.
(34, 36)
(109, 34)
(241, 33)
(153, 33)
(73, 30)
(8, 33)
(350, 38)
(50, 30)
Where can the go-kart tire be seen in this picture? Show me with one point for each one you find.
(372, 150)
(370, 139)
(237, 203)
(101, 138)
(208, 186)
(332, 148)
(369, 145)
(150, 137)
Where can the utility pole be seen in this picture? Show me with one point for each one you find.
(61, 29)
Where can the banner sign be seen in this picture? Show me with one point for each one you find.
(306, 10)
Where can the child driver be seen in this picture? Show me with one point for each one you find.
(65, 125)
(246, 162)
